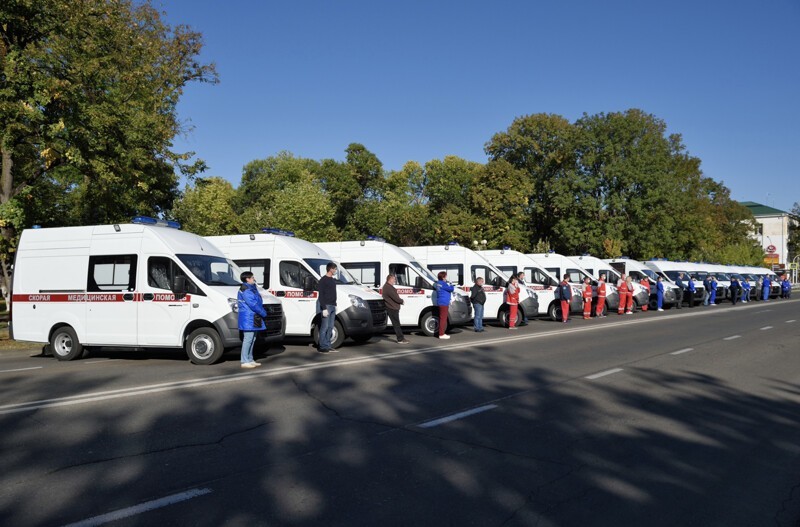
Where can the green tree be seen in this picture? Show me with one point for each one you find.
(88, 98)
(447, 191)
(793, 243)
(542, 145)
(499, 205)
(207, 208)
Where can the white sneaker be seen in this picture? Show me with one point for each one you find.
(660, 310)
(445, 336)
(250, 364)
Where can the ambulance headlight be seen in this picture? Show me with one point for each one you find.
(234, 304)
(532, 294)
(457, 298)
(357, 302)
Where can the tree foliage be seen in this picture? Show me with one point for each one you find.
(88, 99)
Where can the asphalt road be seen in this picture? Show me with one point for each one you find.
(687, 418)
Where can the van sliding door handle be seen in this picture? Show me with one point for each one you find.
(127, 296)
(148, 296)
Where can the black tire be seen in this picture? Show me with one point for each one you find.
(505, 316)
(203, 346)
(337, 339)
(429, 324)
(554, 311)
(64, 344)
(361, 339)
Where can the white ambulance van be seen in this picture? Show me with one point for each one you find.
(146, 284)
(290, 268)
(561, 266)
(670, 271)
(542, 282)
(371, 260)
(464, 266)
(720, 272)
(595, 267)
(639, 272)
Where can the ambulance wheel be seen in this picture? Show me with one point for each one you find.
(337, 337)
(203, 346)
(429, 324)
(64, 344)
(505, 316)
(554, 312)
(653, 304)
(635, 305)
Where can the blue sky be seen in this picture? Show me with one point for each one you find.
(419, 80)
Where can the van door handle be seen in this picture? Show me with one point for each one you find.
(280, 293)
(148, 296)
(127, 296)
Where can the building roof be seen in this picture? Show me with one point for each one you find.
(762, 210)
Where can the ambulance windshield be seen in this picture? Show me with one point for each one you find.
(212, 270)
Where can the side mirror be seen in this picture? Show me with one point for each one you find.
(179, 286)
(419, 283)
(309, 284)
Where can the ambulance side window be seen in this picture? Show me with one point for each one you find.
(555, 271)
(489, 276)
(575, 276)
(292, 274)
(112, 273)
(161, 272)
(455, 272)
(365, 272)
(537, 276)
(403, 274)
(259, 268)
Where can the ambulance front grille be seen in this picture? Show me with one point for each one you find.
(378, 310)
(274, 320)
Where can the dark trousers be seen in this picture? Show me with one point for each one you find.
(394, 316)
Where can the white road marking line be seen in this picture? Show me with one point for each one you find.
(766, 327)
(142, 507)
(789, 321)
(459, 415)
(684, 350)
(763, 311)
(604, 373)
(732, 337)
(22, 369)
(235, 377)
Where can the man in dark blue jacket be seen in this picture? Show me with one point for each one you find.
(691, 289)
(327, 305)
(679, 283)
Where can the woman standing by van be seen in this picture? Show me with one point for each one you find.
(251, 317)
(443, 290)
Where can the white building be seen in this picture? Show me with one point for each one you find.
(773, 232)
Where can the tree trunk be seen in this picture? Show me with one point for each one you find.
(7, 231)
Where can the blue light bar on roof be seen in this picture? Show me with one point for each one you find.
(375, 238)
(506, 247)
(277, 232)
(147, 220)
(452, 243)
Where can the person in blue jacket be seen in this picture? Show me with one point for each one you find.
(691, 290)
(786, 287)
(251, 317)
(745, 290)
(765, 285)
(443, 290)
(660, 293)
(712, 293)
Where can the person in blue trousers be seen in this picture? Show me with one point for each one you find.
(712, 293)
(251, 317)
(660, 293)
(326, 288)
(745, 290)
(765, 285)
(786, 287)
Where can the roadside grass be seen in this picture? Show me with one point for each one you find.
(6, 344)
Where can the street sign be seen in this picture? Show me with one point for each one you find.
(771, 249)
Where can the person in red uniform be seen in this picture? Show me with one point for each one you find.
(644, 282)
(601, 296)
(622, 287)
(587, 298)
(512, 299)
